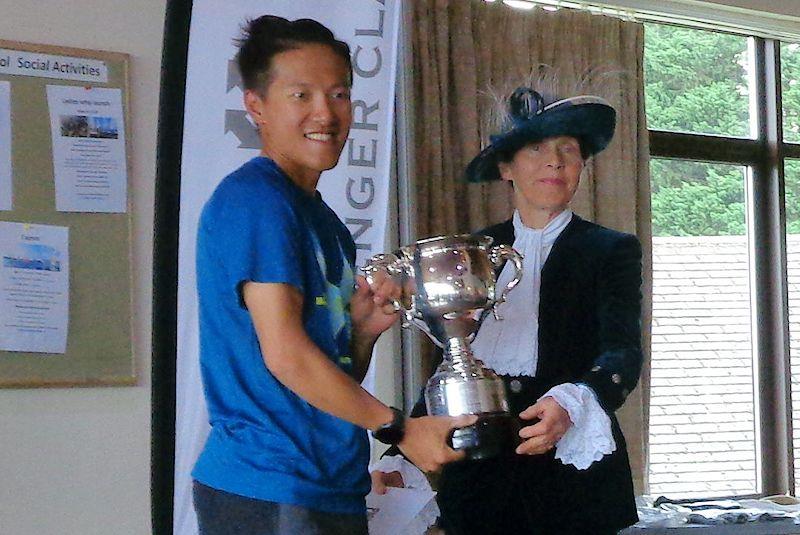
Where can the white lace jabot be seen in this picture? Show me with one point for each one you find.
(511, 346)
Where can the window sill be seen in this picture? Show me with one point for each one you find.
(751, 528)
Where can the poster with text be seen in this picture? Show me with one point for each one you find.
(34, 287)
(89, 164)
(6, 201)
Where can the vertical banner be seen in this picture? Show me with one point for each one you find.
(219, 137)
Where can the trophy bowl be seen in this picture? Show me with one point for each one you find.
(447, 287)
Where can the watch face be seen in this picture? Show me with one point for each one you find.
(391, 433)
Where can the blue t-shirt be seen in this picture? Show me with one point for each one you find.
(266, 442)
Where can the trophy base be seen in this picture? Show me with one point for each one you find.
(492, 435)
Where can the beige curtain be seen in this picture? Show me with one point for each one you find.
(461, 47)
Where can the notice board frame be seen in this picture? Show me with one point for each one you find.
(100, 325)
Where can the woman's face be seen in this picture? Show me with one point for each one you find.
(545, 173)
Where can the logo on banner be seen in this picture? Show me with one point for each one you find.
(236, 121)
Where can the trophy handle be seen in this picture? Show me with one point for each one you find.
(499, 254)
(391, 265)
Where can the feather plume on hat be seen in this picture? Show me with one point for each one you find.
(535, 110)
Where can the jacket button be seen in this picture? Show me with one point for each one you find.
(596, 368)
(516, 386)
(616, 379)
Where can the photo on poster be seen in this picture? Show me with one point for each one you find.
(34, 288)
(74, 125)
(103, 127)
(6, 188)
(89, 162)
(83, 126)
(34, 256)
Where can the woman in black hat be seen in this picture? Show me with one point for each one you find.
(569, 349)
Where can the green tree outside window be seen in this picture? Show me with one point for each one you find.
(696, 81)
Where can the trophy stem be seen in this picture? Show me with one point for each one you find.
(459, 353)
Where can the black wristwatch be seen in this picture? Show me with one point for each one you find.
(392, 433)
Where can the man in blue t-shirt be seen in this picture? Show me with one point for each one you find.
(286, 330)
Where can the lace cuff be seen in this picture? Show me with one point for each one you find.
(589, 438)
(413, 478)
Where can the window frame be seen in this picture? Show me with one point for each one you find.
(764, 156)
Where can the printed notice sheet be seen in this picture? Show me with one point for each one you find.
(88, 131)
(5, 146)
(34, 287)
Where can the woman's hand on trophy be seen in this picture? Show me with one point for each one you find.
(383, 480)
(425, 440)
(542, 436)
(371, 312)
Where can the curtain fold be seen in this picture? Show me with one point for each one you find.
(462, 47)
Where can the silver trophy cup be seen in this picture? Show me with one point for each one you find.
(448, 286)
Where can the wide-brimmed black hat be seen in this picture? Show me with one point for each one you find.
(587, 118)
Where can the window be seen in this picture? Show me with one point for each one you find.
(790, 88)
(697, 81)
(792, 173)
(702, 417)
(719, 388)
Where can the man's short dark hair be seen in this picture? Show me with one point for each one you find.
(268, 35)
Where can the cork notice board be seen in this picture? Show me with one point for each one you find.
(99, 349)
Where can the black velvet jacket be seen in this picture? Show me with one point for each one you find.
(589, 309)
(589, 332)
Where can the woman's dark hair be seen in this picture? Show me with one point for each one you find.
(268, 35)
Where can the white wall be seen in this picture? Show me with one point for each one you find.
(77, 461)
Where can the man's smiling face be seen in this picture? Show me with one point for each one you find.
(304, 113)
